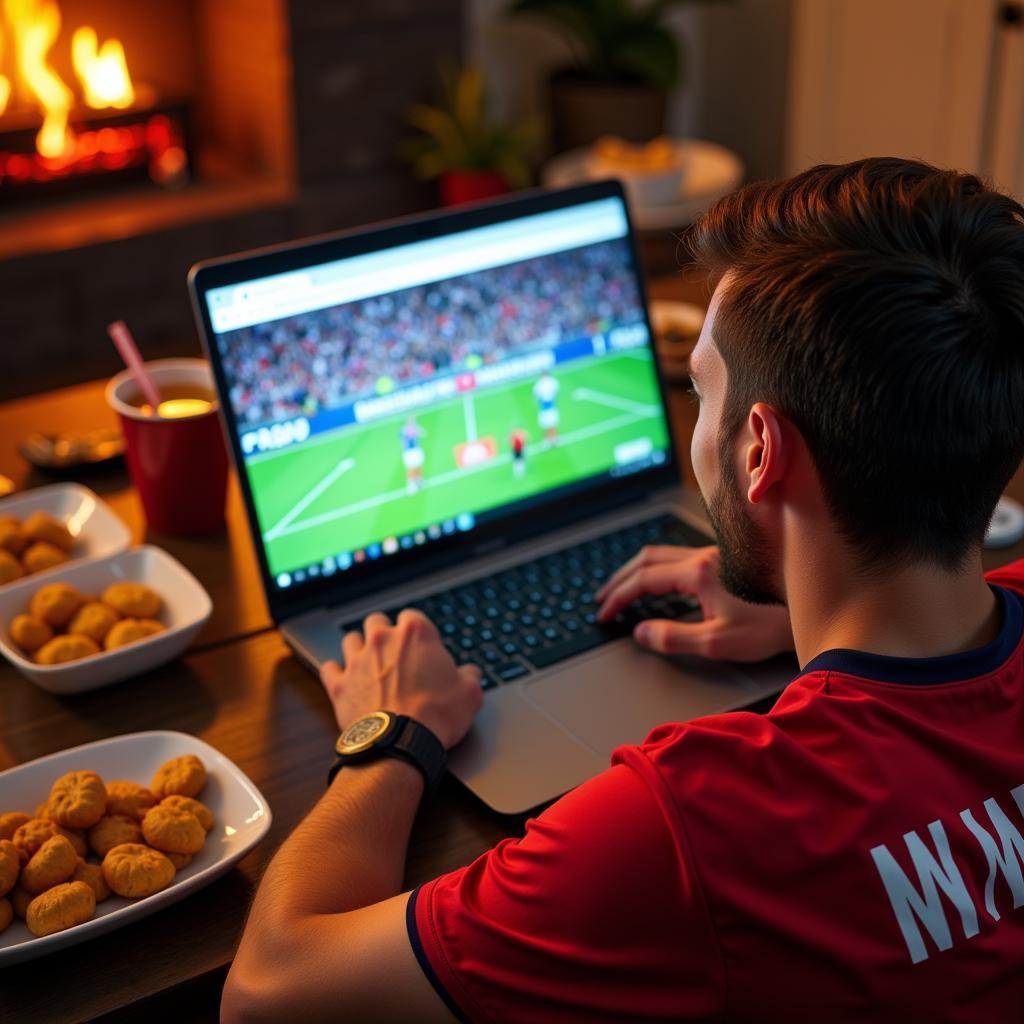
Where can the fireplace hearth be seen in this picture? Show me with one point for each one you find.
(254, 122)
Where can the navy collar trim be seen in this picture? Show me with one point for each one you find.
(950, 668)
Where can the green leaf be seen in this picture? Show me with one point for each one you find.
(457, 134)
(649, 54)
(513, 169)
(469, 101)
(432, 165)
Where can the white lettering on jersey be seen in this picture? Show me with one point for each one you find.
(912, 905)
(1004, 857)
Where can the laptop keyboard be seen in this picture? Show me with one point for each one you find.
(541, 612)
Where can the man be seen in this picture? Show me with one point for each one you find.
(546, 393)
(855, 854)
(517, 442)
(412, 454)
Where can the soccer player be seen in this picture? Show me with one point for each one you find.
(546, 392)
(517, 442)
(412, 454)
(852, 856)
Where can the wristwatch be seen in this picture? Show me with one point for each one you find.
(385, 734)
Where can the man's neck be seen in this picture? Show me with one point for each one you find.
(916, 612)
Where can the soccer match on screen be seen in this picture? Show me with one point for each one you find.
(383, 423)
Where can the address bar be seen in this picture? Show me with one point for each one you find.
(307, 296)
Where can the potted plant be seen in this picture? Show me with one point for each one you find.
(472, 156)
(626, 60)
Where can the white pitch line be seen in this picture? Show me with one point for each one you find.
(469, 411)
(537, 448)
(281, 527)
(615, 402)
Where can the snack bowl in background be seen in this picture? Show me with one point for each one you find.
(97, 530)
(241, 820)
(651, 174)
(186, 607)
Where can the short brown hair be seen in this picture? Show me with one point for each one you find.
(879, 305)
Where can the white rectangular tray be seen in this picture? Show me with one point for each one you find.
(186, 607)
(241, 820)
(90, 520)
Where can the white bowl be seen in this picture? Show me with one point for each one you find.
(658, 187)
(89, 519)
(186, 607)
(241, 820)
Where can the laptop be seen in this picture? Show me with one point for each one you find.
(462, 412)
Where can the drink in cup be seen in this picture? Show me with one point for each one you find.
(175, 454)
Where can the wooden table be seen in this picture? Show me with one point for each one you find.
(240, 690)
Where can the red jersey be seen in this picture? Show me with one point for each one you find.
(518, 441)
(856, 854)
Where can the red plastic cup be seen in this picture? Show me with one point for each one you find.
(179, 466)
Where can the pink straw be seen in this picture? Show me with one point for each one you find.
(122, 338)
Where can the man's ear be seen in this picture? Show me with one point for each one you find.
(767, 453)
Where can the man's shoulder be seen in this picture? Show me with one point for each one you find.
(732, 734)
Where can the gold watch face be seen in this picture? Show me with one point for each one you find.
(363, 732)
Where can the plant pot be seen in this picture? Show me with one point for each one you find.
(583, 109)
(470, 186)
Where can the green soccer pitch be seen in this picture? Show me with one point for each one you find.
(346, 489)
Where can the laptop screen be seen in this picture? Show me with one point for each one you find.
(391, 399)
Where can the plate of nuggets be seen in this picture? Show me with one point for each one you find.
(104, 834)
(101, 621)
(48, 527)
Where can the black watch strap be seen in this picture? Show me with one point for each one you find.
(408, 741)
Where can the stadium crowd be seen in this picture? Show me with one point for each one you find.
(328, 357)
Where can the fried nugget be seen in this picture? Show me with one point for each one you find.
(186, 803)
(30, 632)
(42, 555)
(6, 913)
(134, 870)
(54, 862)
(41, 526)
(112, 830)
(66, 647)
(10, 822)
(12, 537)
(94, 619)
(130, 631)
(92, 875)
(173, 830)
(183, 775)
(129, 798)
(10, 567)
(56, 603)
(10, 866)
(20, 898)
(61, 907)
(78, 799)
(133, 599)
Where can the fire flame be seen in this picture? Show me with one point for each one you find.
(103, 73)
(34, 26)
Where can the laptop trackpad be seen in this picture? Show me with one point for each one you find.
(619, 693)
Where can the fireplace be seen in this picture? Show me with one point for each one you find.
(251, 122)
(73, 118)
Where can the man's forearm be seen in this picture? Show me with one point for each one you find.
(349, 852)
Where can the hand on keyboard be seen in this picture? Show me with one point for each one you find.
(731, 629)
(403, 668)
